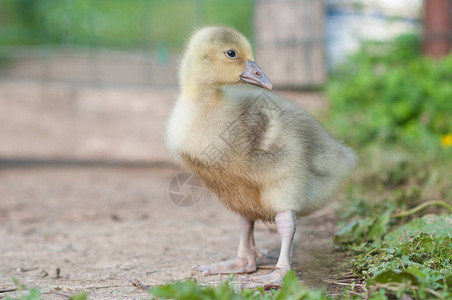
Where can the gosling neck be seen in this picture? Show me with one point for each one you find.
(200, 92)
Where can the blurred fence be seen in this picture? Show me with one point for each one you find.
(105, 42)
(138, 42)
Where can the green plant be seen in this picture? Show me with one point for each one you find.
(35, 294)
(388, 93)
(415, 258)
(190, 290)
(395, 106)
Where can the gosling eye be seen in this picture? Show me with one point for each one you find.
(231, 54)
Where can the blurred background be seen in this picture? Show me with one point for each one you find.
(86, 87)
(66, 63)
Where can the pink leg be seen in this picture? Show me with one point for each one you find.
(285, 224)
(245, 262)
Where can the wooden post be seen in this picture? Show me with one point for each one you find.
(290, 42)
(437, 35)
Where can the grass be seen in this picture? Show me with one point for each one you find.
(396, 224)
(394, 105)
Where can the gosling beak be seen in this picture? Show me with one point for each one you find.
(255, 76)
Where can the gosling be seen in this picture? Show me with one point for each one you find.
(261, 155)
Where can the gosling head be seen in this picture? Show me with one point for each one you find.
(217, 56)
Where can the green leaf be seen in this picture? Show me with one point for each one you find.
(416, 271)
(293, 289)
(32, 294)
(431, 224)
(363, 230)
(379, 227)
(82, 296)
(395, 276)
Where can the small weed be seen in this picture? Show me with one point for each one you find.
(35, 294)
(190, 290)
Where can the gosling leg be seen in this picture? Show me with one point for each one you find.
(245, 262)
(286, 225)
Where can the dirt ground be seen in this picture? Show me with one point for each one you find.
(84, 202)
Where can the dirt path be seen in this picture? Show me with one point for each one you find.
(103, 227)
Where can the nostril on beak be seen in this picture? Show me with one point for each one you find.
(258, 74)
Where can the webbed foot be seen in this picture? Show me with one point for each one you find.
(267, 281)
(236, 265)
